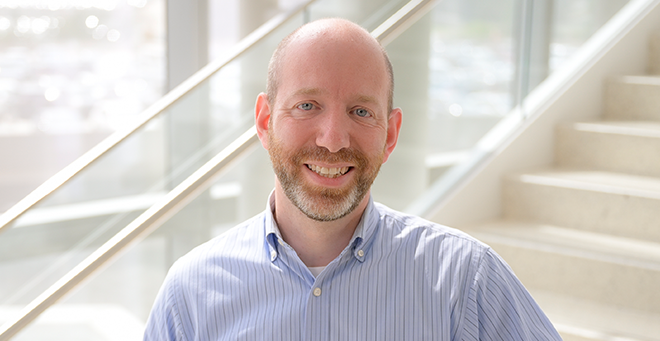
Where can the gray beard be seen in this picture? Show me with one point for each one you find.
(317, 203)
(322, 207)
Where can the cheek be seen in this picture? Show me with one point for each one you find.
(293, 133)
(371, 142)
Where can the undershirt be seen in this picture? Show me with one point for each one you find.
(316, 270)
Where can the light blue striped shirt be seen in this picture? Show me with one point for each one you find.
(400, 278)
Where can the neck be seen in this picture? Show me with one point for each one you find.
(317, 243)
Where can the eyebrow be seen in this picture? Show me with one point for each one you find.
(367, 99)
(308, 91)
(317, 91)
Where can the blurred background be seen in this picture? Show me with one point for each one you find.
(74, 72)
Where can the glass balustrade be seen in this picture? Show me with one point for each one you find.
(54, 236)
(483, 60)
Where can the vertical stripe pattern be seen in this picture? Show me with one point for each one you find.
(400, 278)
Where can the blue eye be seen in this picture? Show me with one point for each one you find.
(362, 112)
(306, 106)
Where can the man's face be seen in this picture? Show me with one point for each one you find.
(328, 131)
(313, 198)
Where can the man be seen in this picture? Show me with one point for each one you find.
(324, 262)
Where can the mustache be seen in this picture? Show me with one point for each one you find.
(348, 155)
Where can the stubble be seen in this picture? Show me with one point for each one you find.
(318, 202)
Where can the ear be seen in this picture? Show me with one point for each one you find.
(262, 118)
(393, 129)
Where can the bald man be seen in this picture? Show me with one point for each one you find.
(323, 261)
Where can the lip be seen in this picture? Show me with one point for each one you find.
(327, 181)
(328, 165)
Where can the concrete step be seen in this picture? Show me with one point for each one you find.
(616, 271)
(604, 202)
(619, 146)
(632, 98)
(583, 320)
(654, 54)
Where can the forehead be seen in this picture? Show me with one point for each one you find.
(323, 63)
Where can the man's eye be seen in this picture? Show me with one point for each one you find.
(306, 106)
(362, 112)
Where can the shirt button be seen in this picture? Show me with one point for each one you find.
(317, 292)
(360, 253)
(273, 255)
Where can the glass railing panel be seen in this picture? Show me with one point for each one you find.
(135, 175)
(51, 238)
(453, 73)
(126, 289)
(483, 60)
(55, 235)
(574, 21)
(471, 65)
(71, 72)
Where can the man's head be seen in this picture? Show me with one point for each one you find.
(327, 121)
(276, 60)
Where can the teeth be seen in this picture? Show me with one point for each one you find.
(328, 172)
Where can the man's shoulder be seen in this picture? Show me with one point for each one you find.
(232, 242)
(411, 226)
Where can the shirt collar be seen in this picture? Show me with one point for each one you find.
(273, 235)
(358, 246)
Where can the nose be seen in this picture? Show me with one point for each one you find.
(334, 131)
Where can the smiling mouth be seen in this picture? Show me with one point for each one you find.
(328, 172)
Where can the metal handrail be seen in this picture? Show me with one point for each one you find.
(400, 21)
(139, 228)
(182, 194)
(59, 179)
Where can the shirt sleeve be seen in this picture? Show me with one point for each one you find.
(164, 323)
(500, 308)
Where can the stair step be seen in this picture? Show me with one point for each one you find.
(617, 271)
(604, 202)
(581, 320)
(632, 98)
(619, 146)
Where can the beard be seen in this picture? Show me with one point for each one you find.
(318, 202)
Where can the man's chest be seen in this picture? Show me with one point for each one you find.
(349, 304)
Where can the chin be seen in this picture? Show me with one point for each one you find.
(326, 205)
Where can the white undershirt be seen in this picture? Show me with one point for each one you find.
(316, 270)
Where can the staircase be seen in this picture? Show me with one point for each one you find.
(584, 236)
